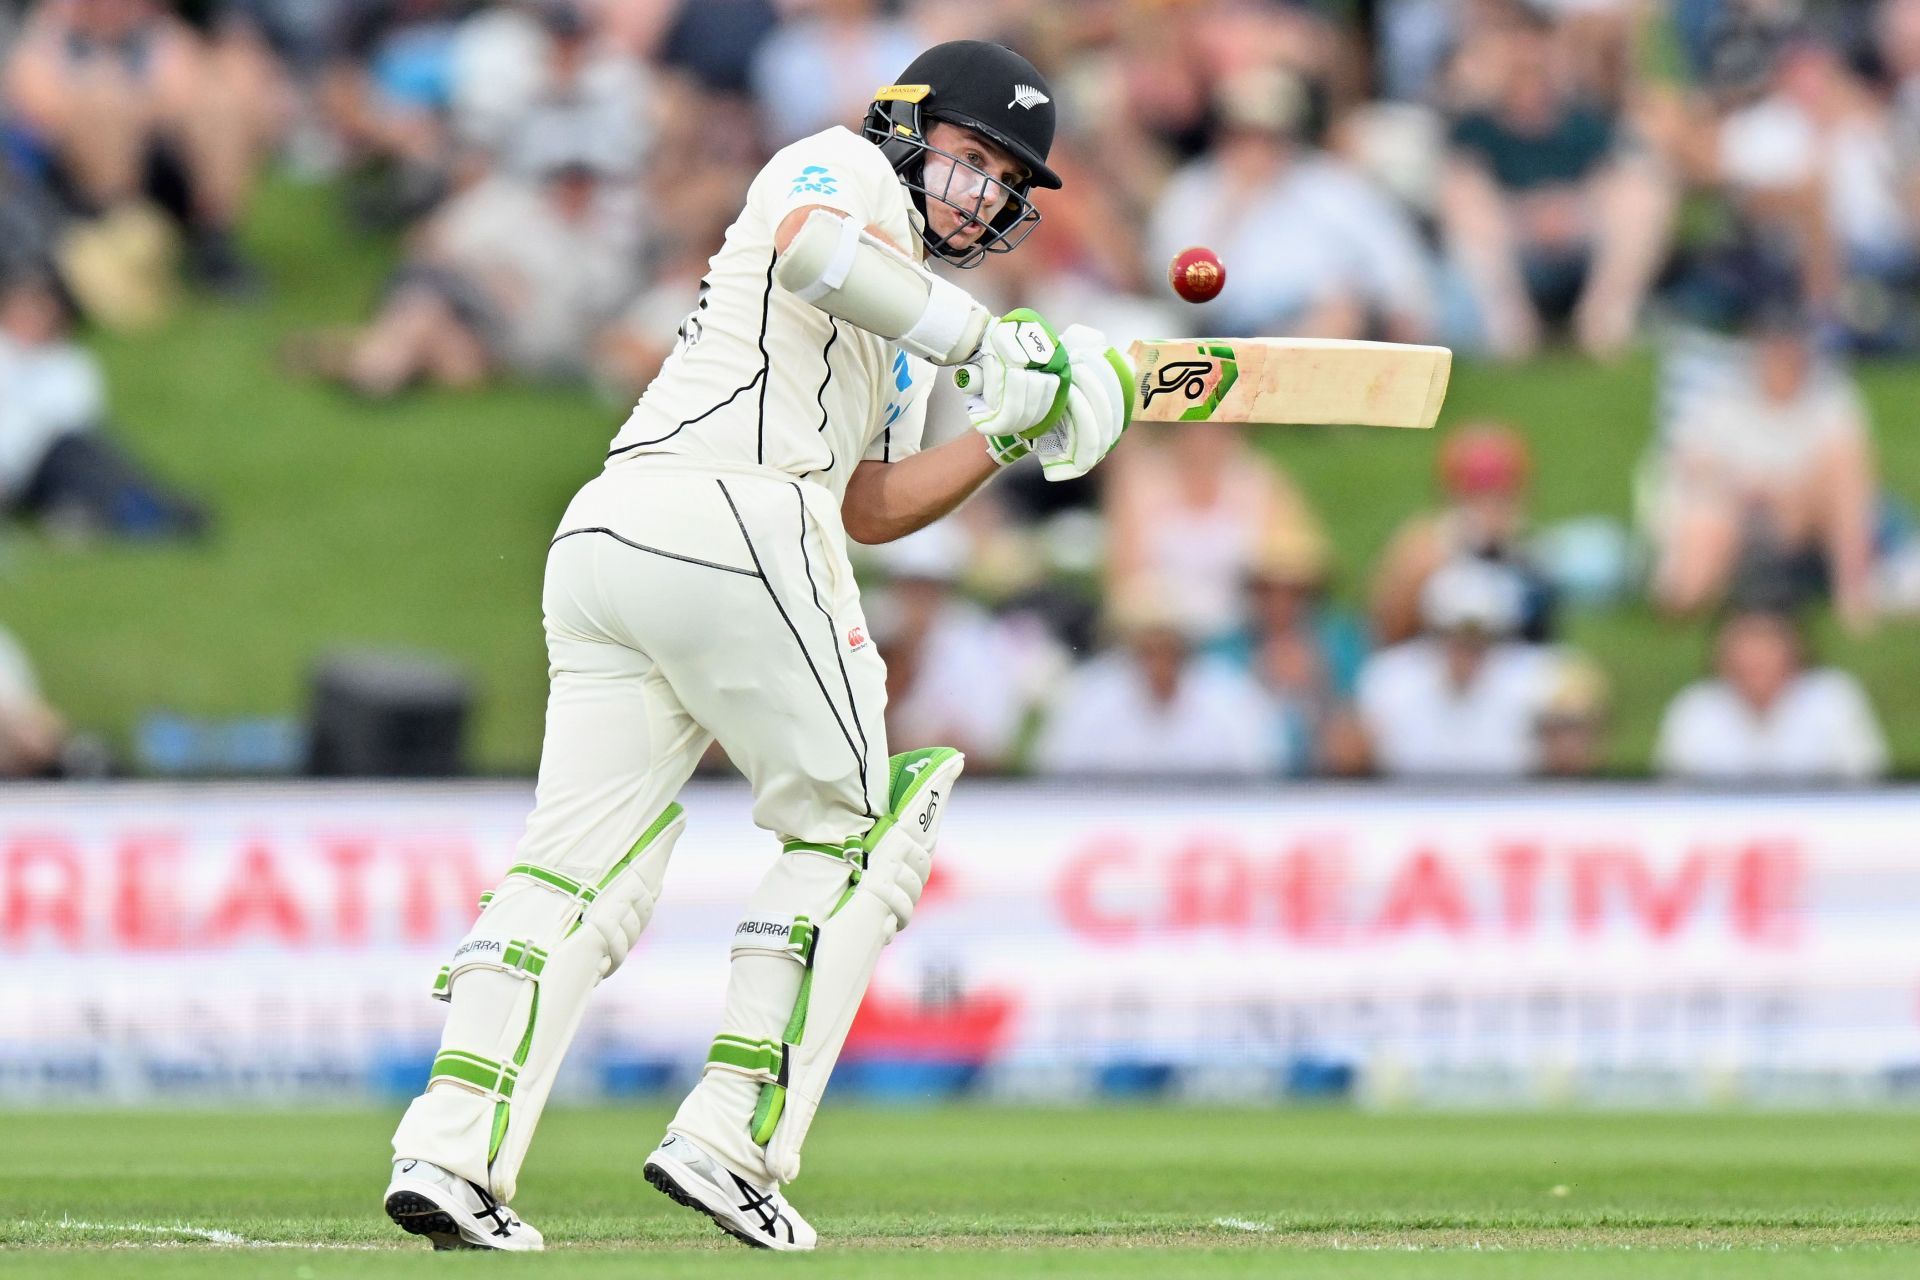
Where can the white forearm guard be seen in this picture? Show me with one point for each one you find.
(847, 272)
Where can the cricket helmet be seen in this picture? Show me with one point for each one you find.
(989, 89)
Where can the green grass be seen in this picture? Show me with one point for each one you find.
(1118, 1192)
(423, 523)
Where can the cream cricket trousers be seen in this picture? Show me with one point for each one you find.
(684, 602)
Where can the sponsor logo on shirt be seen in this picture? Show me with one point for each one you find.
(857, 639)
(815, 180)
(902, 384)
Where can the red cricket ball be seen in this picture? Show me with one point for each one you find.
(1197, 274)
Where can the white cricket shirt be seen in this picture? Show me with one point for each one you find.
(1421, 726)
(1821, 728)
(761, 377)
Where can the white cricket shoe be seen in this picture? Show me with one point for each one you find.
(444, 1207)
(744, 1210)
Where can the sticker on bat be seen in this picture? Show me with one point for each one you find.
(1210, 377)
(1188, 377)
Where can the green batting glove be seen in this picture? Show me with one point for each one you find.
(1016, 384)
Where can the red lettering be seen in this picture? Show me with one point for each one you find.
(349, 856)
(43, 890)
(1425, 892)
(1587, 873)
(1310, 887)
(1664, 907)
(442, 873)
(1209, 884)
(146, 905)
(1076, 891)
(468, 880)
(255, 901)
(418, 917)
(1768, 877)
(1517, 866)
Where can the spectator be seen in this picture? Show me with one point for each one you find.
(56, 461)
(1765, 716)
(1483, 470)
(1766, 488)
(713, 43)
(1189, 509)
(956, 676)
(1571, 731)
(29, 217)
(1812, 164)
(528, 79)
(386, 92)
(123, 102)
(32, 734)
(1546, 215)
(512, 274)
(1149, 706)
(630, 350)
(1464, 699)
(865, 48)
(1311, 247)
(1306, 653)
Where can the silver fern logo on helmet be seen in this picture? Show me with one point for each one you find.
(1025, 95)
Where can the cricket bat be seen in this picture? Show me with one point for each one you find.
(1286, 381)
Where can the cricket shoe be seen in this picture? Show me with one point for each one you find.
(744, 1210)
(444, 1207)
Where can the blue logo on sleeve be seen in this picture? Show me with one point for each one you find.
(815, 180)
(902, 382)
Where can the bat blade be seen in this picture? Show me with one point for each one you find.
(1289, 381)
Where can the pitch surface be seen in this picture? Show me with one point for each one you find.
(1110, 1192)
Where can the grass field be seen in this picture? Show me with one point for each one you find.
(950, 1192)
(423, 523)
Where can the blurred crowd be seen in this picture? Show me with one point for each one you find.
(1736, 182)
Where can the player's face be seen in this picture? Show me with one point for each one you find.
(973, 181)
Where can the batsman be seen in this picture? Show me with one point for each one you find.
(698, 588)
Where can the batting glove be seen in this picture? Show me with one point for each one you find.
(1099, 407)
(1016, 384)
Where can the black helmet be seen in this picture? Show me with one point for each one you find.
(980, 86)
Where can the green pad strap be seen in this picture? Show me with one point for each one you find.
(518, 957)
(554, 880)
(526, 957)
(764, 1060)
(495, 1079)
(801, 940)
(847, 852)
